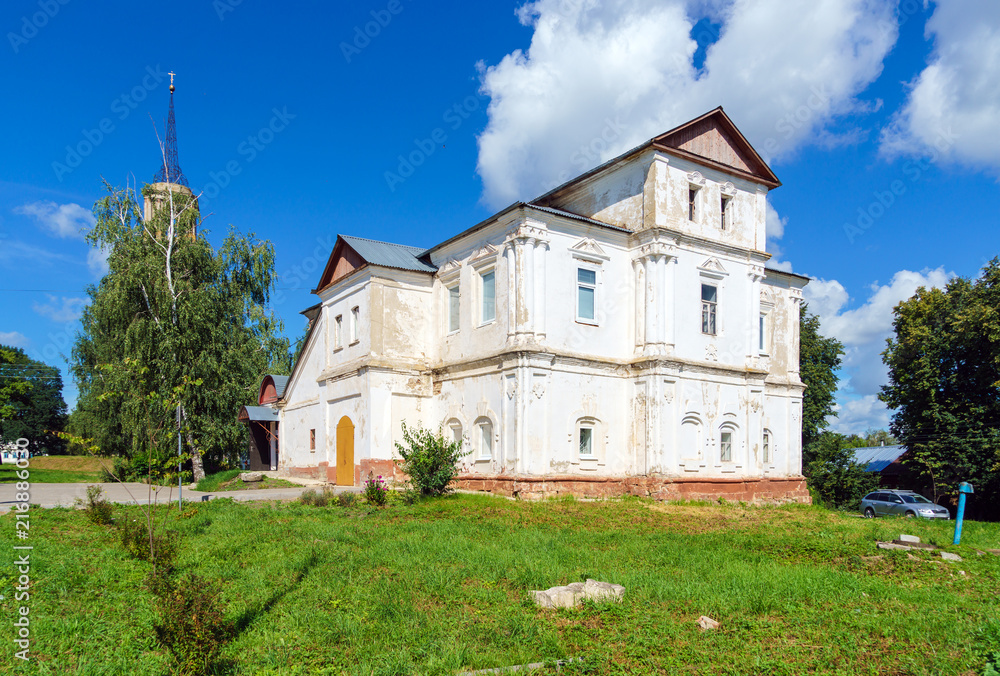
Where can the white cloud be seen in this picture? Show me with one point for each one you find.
(954, 103)
(62, 220)
(863, 331)
(599, 78)
(13, 339)
(63, 309)
(855, 416)
(97, 261)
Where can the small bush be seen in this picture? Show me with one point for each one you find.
(191, 623)
(160, 549)
(308, 497)
(321, 499)
(376, 492)
(346, 499)
(98, 510)
(429, 459)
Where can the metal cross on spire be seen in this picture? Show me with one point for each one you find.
(171, 173)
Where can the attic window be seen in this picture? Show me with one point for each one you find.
(724, 208)
(692, 202)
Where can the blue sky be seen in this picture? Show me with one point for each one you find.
(407, 121)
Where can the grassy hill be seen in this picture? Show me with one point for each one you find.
(442, 586)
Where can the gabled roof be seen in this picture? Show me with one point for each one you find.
(877, 458)
(713, 140)
(351, 253)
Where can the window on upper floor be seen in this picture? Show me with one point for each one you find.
(709, 303)
(355, 321)
(762, 333)
(724, 213)
(338, 331)
(488, 296)
(692, 203)
(454, 308)
(586, 294)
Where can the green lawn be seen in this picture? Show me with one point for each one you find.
(441, 586)
(49, 476)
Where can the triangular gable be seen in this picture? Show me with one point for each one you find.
(713, 266)
(714, 141)
(589, 249)
(343, 261)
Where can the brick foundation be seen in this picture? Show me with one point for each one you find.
(750, 490)
(328, 473)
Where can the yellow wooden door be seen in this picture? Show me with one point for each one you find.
(345, 452)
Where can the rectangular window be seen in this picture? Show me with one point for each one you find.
(722, 219)
(312, 440)
(726, 447)
(486, 440)
(761, 330)
(766, 455)
(355, 320)
(338, 331)
(586, 441)
(489, 300)
(586, 292)
(709, 300)
(453, 308)
(692, 200)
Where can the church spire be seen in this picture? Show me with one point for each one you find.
(170, 172)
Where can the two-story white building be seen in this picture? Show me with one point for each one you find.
(619, 334)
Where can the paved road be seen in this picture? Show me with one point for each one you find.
(64, 495)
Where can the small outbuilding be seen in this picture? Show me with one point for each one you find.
(886, 461)
(262, 420)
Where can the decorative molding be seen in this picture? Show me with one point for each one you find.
(589, 250)
(795, 294)
(713, 268)
(711, 352)
(728, 189)
(483, 255)
(755, 272)
(449, 271)
(695, 178)
(528, 229)
(511, 387)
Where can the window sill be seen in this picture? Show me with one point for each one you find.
(353, 343)
(338, 348)
(587, 322)
(487, 459)
(451, 333)
(486, 323)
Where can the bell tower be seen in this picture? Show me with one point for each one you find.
(169, 177)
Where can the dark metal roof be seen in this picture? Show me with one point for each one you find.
(388, 255)
(877, 458)
(280, 383)
(259, 414)
(577, 217)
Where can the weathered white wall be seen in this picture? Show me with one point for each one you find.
(657, 391)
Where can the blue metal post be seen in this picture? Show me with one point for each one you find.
(964, 488)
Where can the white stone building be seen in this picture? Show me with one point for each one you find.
(619, 334)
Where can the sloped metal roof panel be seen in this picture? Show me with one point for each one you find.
(877, 458)
(261, 413)
(388, 255)
(280, 383)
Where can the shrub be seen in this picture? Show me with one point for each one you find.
(308, 497)
(160, 549)
(321, 499)
(97, 509)
(346, 499)
(191, 623)
(376, 492)
(429, 459)
(833, 474)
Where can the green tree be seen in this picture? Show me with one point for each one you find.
(35, 411)
(944, 382)
(834, 476)
(13, 384)
(184, 312)
(819, 359)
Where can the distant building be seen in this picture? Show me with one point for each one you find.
(619, 334)
(11, 453)
(886, 461)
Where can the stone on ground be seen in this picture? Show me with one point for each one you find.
(568, 596)
(706, 622)
(948, 556)
(250, 477)
(909, 538)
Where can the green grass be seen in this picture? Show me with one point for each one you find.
(48, 476)
(441, 586)
(226, 481)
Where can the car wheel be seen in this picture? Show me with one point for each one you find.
(910, 515)
(869, 513)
